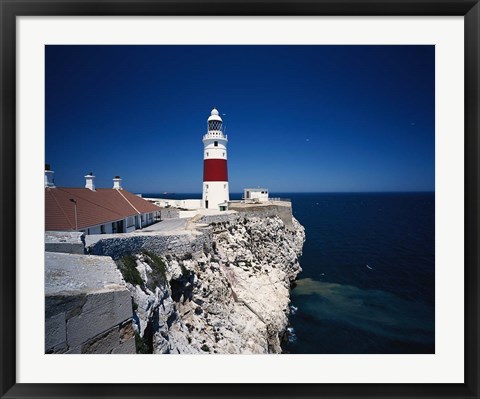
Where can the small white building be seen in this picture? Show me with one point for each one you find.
(255, 194)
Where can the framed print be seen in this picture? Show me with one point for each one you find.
(240, 199)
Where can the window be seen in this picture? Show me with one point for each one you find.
(223, 154)
(214, 125)
(207, 154)
(102, 229)
(215, 143)
(224, 186)
(206, 185)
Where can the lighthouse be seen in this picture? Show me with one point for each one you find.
(215, 176)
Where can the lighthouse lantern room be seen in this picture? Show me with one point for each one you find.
(215, 176)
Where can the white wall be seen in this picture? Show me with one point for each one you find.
(187, 203)
(191, 203)
(49, 178)
(260, 194)
(187, 214)
(215, 192)
(108, 228)
(215, 152)
(129, 224)
(94, 230)
(147, 219)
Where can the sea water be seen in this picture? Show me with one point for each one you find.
(368, 279)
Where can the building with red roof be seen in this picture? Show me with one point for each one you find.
(95, 211)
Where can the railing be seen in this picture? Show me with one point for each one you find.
(280, 199)
(216, 135)
(259, 201)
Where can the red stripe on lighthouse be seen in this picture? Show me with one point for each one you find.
(215, 170)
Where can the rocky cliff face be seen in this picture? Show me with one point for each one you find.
(232, 297)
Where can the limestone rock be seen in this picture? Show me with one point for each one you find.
(233, 297)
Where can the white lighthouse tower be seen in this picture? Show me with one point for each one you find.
(215, 176)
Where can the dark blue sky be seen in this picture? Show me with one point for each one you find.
(298, 118)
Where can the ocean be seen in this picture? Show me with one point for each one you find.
(368, 279)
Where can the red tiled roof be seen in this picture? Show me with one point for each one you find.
(93, 207)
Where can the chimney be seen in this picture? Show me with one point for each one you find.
(49, 176)
(117, 183)
(89, 181)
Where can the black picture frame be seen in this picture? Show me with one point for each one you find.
(9, 10)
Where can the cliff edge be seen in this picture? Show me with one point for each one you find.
(229, 296)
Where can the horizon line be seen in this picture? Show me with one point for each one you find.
(310, 192)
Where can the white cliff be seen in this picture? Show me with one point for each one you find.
(231, 296)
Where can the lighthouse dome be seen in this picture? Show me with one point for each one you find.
(214, 116)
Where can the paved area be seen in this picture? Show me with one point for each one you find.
(166, 225)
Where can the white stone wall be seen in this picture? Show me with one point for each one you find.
(118, 245)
